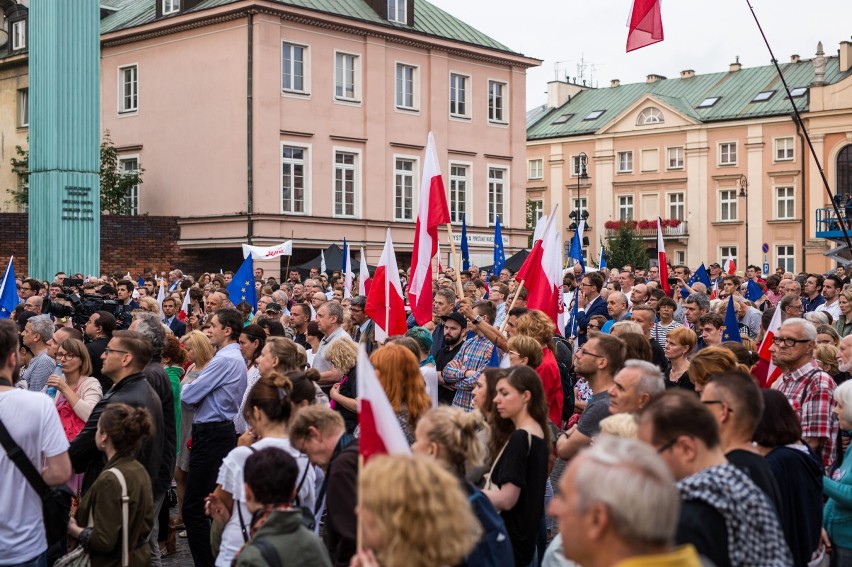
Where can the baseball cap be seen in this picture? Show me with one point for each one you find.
(274, 307)
(457, 317)
(715, 265)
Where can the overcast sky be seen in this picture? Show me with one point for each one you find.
(700, 35)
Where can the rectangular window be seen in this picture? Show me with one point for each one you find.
(625, 207)
(536, 169)
(23, 108)
(345, 76)
(496, 194)
(293, 179)
(784, 149)
(496, 102)
(785, 203)
(625, 162)
(579, 168)
(728, 153)
(728, 253)
(536, 210)
(131, 199)
(293, 68)
(728, 205)
(19, 35)
(458, 96)
(170, 6)
(406, 84)
(677, 206)
(403, 189)
(397, 11)
(675, 158)
(786, 257)
(458, 191)
(345, 179)
(128, 89)
(580, 206)
(680, 257)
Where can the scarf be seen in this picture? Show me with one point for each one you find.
(428, 360)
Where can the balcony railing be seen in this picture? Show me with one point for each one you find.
(648, 230)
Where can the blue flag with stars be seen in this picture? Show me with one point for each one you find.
(753, 291)
(242, 287)
(576, 250)
(732, 324)
(464, 249)
(602, 261)
(499, 253)
(8, 291)
(698, 276)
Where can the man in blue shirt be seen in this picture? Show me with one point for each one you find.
(215, 397)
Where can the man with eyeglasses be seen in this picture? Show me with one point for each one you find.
(723, 513)
(654, 274)
(791, 306)
(29, 288)
(364, 331)
(813, 293)
(589, 304)
(809, 390)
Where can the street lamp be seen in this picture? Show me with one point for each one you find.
(577, 215)
(744, 194)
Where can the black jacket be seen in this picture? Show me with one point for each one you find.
(596, 307)
(96, 349)
(156, 377)
(178, 327)
(135, 391)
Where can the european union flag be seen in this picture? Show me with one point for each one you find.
(499, 253)
(494, 359)
(698, 276)
(571, 329)
(141, 281)
(753, 291)
(732, 324)
(242, 285)
(464, 249)
(576, 250)
(602, 261)
(8, 291)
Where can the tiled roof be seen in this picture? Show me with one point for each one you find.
(428, 19)
(736, 90)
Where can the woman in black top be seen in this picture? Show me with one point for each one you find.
(517, 480)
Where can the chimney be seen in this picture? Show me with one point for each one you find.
(560, 92)
(735, 66)
(614, 83)
(795, 58)
(845, 56)
(687, 74)
(653, 78)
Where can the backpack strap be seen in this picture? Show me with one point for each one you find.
(243, 528)
(125, 517)
(267, 552)
(301, 483)
(22, 461)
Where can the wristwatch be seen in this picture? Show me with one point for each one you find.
(477, 320)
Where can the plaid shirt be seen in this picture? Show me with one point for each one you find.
(811, 393)
(475, 355)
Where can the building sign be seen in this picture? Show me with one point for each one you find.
(77, 204)
(479, 239)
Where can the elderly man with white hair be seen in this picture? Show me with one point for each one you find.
(634, 386)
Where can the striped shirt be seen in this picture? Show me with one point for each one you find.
(474, 355)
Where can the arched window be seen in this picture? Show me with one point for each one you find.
(650, 116)
(844, 171)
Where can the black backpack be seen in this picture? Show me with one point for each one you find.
(564, 359)
(494, 548)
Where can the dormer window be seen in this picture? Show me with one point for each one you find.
(708, 102)
(650, 116)
(763, 96)
(398, 11)
(171, 7)
(19, 35)
(798, 92)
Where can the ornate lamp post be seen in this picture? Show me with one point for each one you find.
(744, 194)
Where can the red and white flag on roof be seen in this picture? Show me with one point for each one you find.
(432, 211)
(774, 372)
(646, 24)
(381, 433)
(364, 281)
(385, 304)
(661, 258)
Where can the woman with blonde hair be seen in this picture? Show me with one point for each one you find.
(826, 358)
(413, 514)
(712, 360)
(343, 355)
(149, 304)
(621, 425)
(283, 356)
(524, 351)
(399, 374)
(843, 325)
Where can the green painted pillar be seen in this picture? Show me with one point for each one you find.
(64, 161)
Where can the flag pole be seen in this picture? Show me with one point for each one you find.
(292, 232)
(359, 530)
(459, 289)
(512, 306)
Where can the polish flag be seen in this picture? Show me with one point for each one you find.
(161, 295)
(347, 271)
(661, 258)
(537, 271)
(730, 266)
(385, 304)
(364, 281)
(432, 212)
(381, 433)
(440, 267)
(774, 325)
(184, 308)
(646, 24)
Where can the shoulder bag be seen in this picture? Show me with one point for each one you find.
(489, 484)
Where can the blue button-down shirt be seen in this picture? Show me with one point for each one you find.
(217, 392)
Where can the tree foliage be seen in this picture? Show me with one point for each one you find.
(626, 247)
(115, 183)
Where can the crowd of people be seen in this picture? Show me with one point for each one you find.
(645, 432)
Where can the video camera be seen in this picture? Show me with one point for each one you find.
(79, 309)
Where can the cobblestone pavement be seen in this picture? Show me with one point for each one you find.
(183, 558)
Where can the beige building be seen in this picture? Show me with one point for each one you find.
(717, 157)
(14, 108)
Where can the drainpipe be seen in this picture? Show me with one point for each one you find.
(249, 129)
(804, 157)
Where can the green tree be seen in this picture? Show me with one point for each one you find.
(115, 183)
(626, 247)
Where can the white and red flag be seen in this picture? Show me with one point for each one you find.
(730, 266)
(646, 24)
(184, 308)
(385, 304)
(161, 296)
(381, 433)
(432, 211)
(774, 372)
(364, 281)
(538, 270)
(661, 258)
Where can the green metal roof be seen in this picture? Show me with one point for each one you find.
(428, 19)
(736, 90)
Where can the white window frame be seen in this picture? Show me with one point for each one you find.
(625, 207)
(725, 156)
(357, 167)
(725, 254)
(356, 77)
(537, 212)
(498, 115)
(133, 192)
(785, 149)
(398, 11)
(783, 259)
(535, 168)
(575, 166)
(649, 116)
(23, 108)
(621, 159)
(306, 175)
(583, 205)
(676, 200)
(415, 185)
(728, 197)
(306, 68)
(134, 108)
(787, 202)
(456, 215)
(505, 184)
(171, 7)
(468, 96)
(678, 153)
(19, 35)
(680, 257)
(415, 86)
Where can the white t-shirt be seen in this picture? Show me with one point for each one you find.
(34, 425)
(231, 480)
(430, 376)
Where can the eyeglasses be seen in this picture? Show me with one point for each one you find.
(590, 326)
(788, 341)
(798, 307)
(584, 352)
(65, 355)
(667, 446)
(514, 352)
(710, 402)
(108, 350)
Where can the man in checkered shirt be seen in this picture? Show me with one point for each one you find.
(809, 390)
